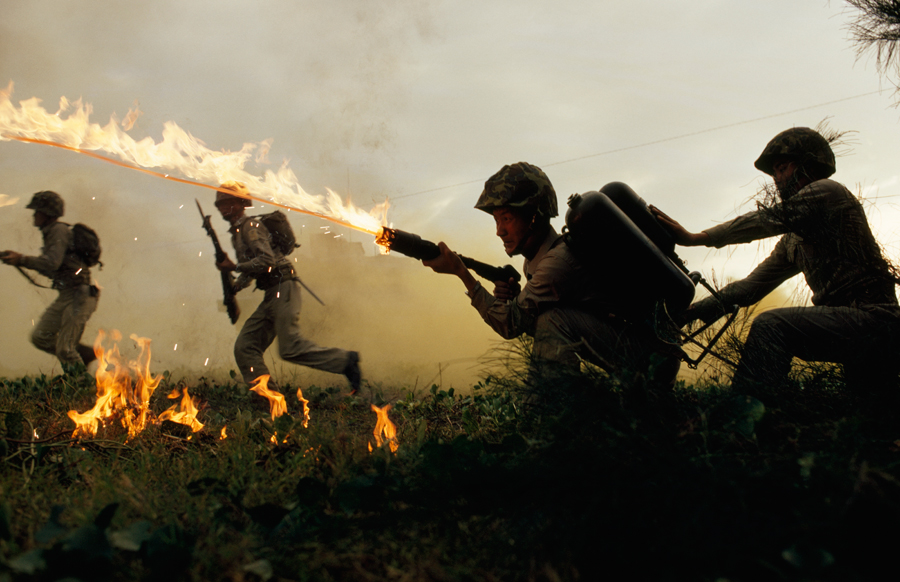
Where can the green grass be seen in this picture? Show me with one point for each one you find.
(588, 476)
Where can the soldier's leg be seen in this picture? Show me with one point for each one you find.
(567, 335)
(292, 346)
(75, 316)
(816, 334)
(252, 342)
(47, 328)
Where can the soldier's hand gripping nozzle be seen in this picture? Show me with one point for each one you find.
(227, 280)
(412, 245)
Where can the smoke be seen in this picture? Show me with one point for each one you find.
(326, 99)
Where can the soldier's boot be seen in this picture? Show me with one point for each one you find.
(351, 371)
(87, 353)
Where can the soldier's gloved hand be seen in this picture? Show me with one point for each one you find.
(506, 290)
(11, 258)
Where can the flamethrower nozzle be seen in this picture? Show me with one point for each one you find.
(412, 245)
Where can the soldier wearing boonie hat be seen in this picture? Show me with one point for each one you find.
(278, 315)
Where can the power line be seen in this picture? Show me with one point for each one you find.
(659, 141)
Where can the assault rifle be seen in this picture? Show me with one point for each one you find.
(227, 280)
(412, 245)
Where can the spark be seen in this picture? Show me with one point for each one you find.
(201, 254)
(206, 362)
(176, 347)
(180, 207)
(78, 271)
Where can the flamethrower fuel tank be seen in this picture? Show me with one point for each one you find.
(613, 230)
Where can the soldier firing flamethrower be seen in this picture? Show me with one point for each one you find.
(412, 245)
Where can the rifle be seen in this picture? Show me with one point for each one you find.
(412, 245)
(227, 280)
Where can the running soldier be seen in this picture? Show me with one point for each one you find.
(60, 328)
(854, 319)
(279, 313)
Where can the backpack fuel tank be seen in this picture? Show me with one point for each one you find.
(614, 231)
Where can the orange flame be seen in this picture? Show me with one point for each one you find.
(384, 429)
(178, 152)
(277, 404)
(184, 412)
(115, 392)
(223, 435)
(305, 404)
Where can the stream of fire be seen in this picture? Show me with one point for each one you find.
(70, 128)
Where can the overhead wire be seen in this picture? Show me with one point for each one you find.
(655, 142)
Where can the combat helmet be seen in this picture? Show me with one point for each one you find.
(233, 189)
(48, 202)
(806, 146)
(519, 185)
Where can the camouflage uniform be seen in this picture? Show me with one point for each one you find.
(566, 306)
(279, 313)
(60, 328)
(855, 318)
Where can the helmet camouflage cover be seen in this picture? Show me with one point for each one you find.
(804, 145)
(519, 185)
(233, 189)
(48, 202)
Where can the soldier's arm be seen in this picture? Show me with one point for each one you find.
(52, 254)
(764, 279)
(263, 258)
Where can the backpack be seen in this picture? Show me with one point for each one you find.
(281, 235)
(86, 245)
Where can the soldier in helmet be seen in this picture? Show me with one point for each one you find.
(278, 316)
(854, 319)
(565, 305)
(59, 330)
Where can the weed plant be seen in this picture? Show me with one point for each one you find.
(580, 478)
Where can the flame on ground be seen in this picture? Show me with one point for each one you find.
(116, 395)
(305, 404)
(385, 431)
(277, 404)
(70, 128)
(183, 412)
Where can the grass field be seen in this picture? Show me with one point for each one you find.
(599, 476)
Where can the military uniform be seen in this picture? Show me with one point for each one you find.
(563, 306)
(61, 326)
(855, 318)
(279, 313)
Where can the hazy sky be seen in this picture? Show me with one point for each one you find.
(419, 102)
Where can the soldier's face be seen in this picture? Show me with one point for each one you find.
(513, 228)
(40, 219)
(231, 208)
(783, 171)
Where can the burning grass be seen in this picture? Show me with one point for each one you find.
(600, 477)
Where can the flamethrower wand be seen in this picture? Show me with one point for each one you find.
(227, 280)
(412, 245)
